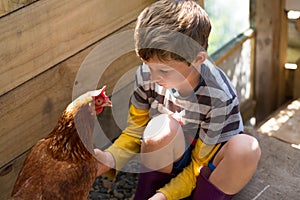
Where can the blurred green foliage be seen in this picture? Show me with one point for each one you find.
(229, 18)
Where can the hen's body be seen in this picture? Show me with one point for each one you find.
(61, 165)
(48, 178)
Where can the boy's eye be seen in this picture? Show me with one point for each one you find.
(163, 71)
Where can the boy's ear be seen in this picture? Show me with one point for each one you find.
(200, 58)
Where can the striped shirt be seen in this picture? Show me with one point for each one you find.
(211, 112)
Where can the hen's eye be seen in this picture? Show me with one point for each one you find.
(98, 101)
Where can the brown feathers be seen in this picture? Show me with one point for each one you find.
(62, 165)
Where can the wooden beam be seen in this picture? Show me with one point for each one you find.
(271, 39)
(39, 36)
(296, 82)
(220, 55)
(292, 5)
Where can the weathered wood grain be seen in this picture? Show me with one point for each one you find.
(271, 39)
(30, 111)
(40, 35)
(7, 6)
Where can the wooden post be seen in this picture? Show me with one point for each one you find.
(270, 23)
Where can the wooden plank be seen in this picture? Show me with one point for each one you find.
(296, 91)
(40, 35)
(223, 53)
(236, 60)
(8, 176)
(281, 57)
(7, 6)
(292, 5)
(31, 111)
(3, 7)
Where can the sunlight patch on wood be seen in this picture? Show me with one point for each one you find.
(284, 123)
(296, 146)
(281, 118)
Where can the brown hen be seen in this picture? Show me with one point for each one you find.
(61, 166)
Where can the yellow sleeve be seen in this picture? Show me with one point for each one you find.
(128, 143)
(183, 184)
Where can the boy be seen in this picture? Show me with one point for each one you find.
(184, 115)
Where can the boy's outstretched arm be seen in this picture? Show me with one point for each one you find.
(125, 146)
(107, 161)
(158, 196)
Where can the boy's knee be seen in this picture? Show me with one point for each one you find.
(161, 131)
(163, 143)
(245, 149)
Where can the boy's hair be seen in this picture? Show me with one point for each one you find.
(169, 29)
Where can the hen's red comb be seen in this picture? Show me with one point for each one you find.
(98, 93)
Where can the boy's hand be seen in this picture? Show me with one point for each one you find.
(105, 161)
(178, 117)
(158, 196)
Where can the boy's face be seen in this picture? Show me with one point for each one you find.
(170, 74)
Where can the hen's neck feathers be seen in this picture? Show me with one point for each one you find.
(72, 138)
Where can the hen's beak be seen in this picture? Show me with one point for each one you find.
(107, 103)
